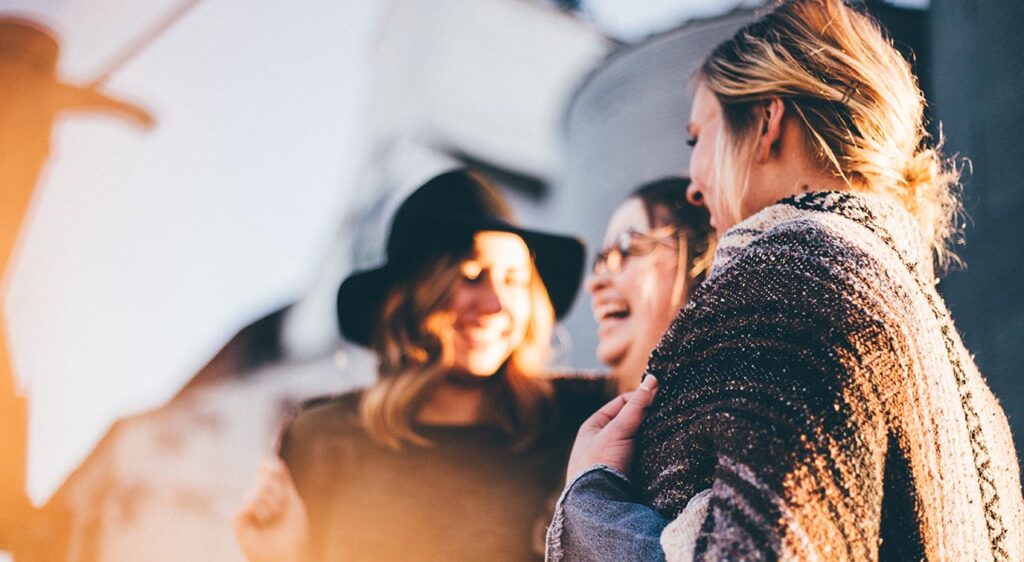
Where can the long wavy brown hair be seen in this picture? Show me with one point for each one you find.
(414, 344)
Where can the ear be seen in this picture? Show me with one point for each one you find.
(771, 127)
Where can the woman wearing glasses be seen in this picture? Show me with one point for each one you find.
(657, 249)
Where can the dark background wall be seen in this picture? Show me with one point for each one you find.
(975, 84)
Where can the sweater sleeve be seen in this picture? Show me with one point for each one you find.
(314, 446)
(597, 519)
(309, 443)
(768, 399)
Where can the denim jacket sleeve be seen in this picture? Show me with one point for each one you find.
(596, 519)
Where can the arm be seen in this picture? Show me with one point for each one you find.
(273, 525)
(597, 518)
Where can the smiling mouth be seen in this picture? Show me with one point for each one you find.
(477, 337)
(611, 311)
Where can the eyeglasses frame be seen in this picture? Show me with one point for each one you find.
(624, 247)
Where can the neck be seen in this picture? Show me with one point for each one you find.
(456, 401)
(628, 372)
(790, 169)
(794, 181)
(812, 180)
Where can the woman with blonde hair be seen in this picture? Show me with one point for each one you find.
(816, 401)
(453, 453)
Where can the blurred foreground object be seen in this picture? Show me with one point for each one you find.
(31, 97)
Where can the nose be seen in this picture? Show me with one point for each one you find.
(489, 299)
(694, 195)
(597, 281)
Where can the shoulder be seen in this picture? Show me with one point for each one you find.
(800, 298)
(810, 243)
(324, 417)
(787, 285)
(327, 408)
(797, 279)
(320, 441)
(826, 237)
(807, 264)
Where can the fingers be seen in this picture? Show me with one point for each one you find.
(269, 494)
(607, 436)
(606, 413)
(632, 413)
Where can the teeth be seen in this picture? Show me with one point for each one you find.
(483, 335)
(605, 310)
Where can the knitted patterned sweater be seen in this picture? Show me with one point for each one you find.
(816, 385)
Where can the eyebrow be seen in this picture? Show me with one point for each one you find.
(490, 264)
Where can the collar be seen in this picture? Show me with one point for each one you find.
(882, 217)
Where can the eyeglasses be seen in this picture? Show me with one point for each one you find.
(613, 258)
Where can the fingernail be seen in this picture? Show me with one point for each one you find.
(649, 382)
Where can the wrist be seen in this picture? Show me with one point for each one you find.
(608, 470)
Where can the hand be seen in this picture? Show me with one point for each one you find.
(607, 436)
(272, 526)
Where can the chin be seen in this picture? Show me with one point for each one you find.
(610, 358)
(483, 366)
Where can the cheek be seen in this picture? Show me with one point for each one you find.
(700, 161)
(658, 297)
(457, 303)
(521, 314)
(519, 310)
(630, 281)
(654, 284)
(710, 187)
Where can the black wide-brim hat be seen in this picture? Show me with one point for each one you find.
(440, 217)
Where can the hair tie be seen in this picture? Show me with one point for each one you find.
(848, 94)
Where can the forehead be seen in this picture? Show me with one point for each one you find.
(629, 215)
(493, 247)
(705, 106)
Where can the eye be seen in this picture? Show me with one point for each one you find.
(625, 244)
(471, 271)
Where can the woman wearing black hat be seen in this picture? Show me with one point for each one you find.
(453, 452)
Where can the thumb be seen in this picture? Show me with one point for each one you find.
(634, 411)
